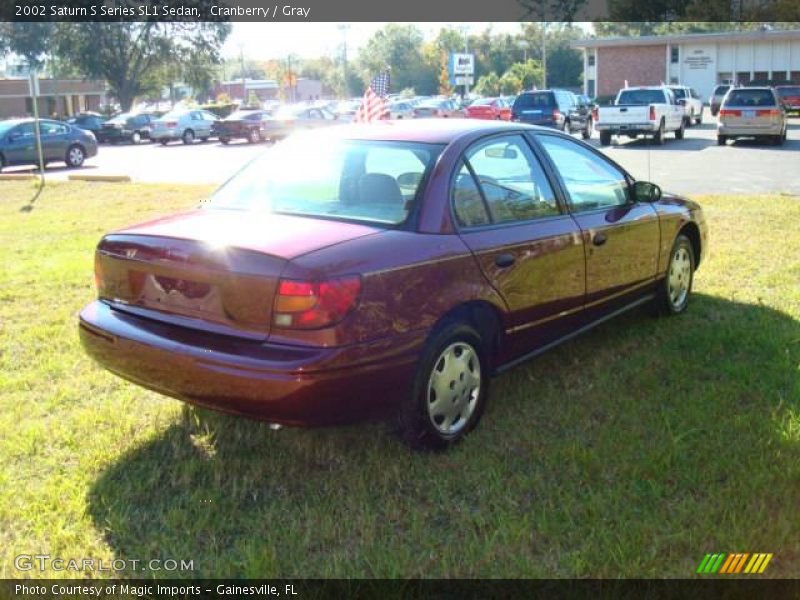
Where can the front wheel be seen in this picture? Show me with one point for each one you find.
(75, 156)
(136, 137)
(587, 131)
(673, 292)
(658, 138)
(721, 140)
(163, 141)
(224, 141)
(449, 391)
(680, 131)
(188, 137)
(254, 136)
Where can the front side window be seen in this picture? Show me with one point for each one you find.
(591, 182)
(374, 181)
(511, 180)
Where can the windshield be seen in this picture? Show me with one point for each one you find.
(543, 100)
(640, 97)
(120, 118)
(375, 181)
(744, 97)
(6, 126)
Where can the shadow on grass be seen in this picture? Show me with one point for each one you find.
(628, 452)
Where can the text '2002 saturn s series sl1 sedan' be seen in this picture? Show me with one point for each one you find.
(386, 269)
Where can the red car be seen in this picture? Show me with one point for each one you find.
(789, 96)
(387, 269)
(495, 109)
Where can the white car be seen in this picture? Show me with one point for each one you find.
(400, 110)
(691, 101)
(650, 111)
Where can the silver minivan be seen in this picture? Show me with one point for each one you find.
(751, 112)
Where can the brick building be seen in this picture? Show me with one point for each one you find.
(62, 97)
(699, 60)
(268, 89)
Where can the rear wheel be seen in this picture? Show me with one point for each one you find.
(163, 141)
(254, 136)
(680, 131)
(587, 131)
(658, 138)
(75, 156)
(605, 138)
(778, 139)
(673, 292)
(449, 390)
(224, 140)
(2, 162)
(721, 140)
(699, 119)
(136, 137)
(188, 137)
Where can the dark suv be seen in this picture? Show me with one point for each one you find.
(559, 109)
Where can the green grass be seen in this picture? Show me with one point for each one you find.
(630, 452)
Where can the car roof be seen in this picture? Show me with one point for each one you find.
(430, 131)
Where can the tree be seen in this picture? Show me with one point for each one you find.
(509, 84)
(488, 85)
(399, 47)
(128, 55)
(32, 41)
(528, 74)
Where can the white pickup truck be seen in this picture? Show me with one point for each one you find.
(650, 111)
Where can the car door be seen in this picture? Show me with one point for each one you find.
(20, 145)
(528, 247)
(621, 237)
(55, 140)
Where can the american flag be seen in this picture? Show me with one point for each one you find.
(373, 104)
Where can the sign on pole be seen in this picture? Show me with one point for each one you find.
(33, 84)
(461, 65)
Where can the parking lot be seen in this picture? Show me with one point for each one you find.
(694, 165)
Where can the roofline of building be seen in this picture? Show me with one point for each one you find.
(653, 40)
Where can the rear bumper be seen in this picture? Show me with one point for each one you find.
(638, 128)
(292, 385)
(733, 130)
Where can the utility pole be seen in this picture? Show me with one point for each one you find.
(344, 27)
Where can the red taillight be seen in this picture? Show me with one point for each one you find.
(727, 112)
(556, 113)
(652, 113)
(595, 113)
(314, 304)
(171, 124)
(774, 112)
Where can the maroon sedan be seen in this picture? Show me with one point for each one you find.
(387, 269)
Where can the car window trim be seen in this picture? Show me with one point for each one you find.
(563, 210)
(629, 180)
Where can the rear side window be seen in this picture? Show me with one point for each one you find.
(468, 204)
(745, 97)
(510, 180)
(543, 100)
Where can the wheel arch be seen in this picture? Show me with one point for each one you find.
(692, 231)
(485, 317)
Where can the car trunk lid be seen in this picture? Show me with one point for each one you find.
(214, 270)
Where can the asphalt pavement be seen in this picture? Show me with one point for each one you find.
(694, 165)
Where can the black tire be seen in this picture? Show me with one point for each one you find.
(699, 119)
(658, 137)
(605, 138)
(224, 141)
(680, 131)
(778, 140)
(587, 131)
(2, 163)
(418, 422)
(188, 137)
(75, 156)
(163, 141)
(254, 136)
(669, 300)
(136, 137)
(204, 139)
(721, 140)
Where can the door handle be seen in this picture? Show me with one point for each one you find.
(504, 260)
(599, 239)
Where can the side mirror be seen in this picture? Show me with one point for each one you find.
(644, 191)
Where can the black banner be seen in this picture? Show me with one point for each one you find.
(392, 10)
(459, 589)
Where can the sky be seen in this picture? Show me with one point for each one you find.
(309, 40)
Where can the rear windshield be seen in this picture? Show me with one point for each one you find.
(785, 92)
(543, 100)
(351, 180)
(745, 97)
(638, 97)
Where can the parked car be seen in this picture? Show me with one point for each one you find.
(126, 127)
(346, 110)
(716, 97)
(495, 109)
(443, 108)
(691, 102)
(558, 109)
(290, 119)
(387, 270)
(184, 125)
(245, 124)
(88, 121)
(60, 142)
(752, 112)
(650, 111)
(789, 96)
(400, 110)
